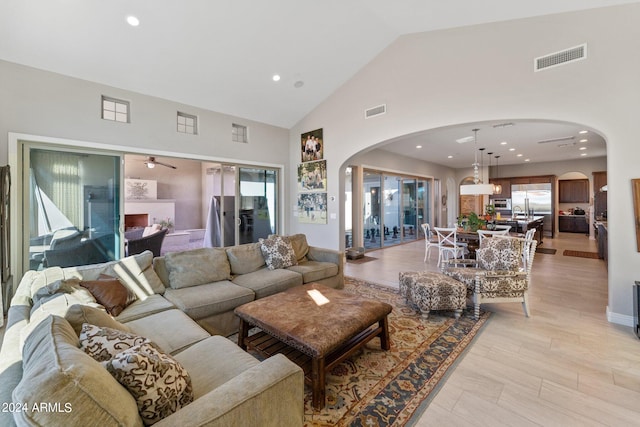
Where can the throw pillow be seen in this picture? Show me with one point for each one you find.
(158, 383)
(278, 252)
(103, 343)
(498, 253)
(110, 292)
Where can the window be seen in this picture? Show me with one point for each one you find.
(238, 133)
(116, 110)
(187, 123)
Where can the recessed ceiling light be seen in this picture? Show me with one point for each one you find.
(583, 154)
(518, 155)
(449, 157)
(512, 149)
(527, 160)
(133, 21)
(582, 132)
(583, 148)
(584, 140)
(503, 143)
(418, 146)
(298, 84)
(276, 77)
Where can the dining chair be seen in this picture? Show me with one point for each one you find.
(429, 240)
(490, 233)
(448, 244)
(503, 227)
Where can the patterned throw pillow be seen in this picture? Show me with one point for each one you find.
(499, 253)
(158, 383)
(278, 252)
(103, 344)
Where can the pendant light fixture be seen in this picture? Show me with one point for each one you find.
(477, 188)
(497, 189)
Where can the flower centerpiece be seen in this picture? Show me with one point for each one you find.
(472, 222)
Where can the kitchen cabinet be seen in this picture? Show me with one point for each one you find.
(573, 224)
(599, 197)
(506, 188)
(573, 191)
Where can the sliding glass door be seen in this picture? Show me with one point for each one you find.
(394, 207)
(257, 210)
(71, 207)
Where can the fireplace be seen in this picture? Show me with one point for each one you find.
(136, 220)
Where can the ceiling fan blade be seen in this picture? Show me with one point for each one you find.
(166, 165)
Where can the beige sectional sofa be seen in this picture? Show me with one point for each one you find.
(184, 305)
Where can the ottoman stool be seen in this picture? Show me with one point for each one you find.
(433, 291)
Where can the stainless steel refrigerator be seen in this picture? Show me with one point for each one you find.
(537, 198)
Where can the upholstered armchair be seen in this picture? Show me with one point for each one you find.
(498, 274)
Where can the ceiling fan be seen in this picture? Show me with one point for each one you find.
(151, 163)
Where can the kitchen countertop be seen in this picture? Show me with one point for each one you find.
(581, 216)
(520, 219)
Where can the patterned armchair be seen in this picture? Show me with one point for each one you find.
(498, 274)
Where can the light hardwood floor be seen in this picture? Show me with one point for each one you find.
(563, 366)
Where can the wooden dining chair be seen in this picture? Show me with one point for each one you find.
(448, 244)
(484, 233)
(430, 240)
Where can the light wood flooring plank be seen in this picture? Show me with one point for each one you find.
(566, 365)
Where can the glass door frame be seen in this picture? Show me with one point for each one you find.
(22, 187)
(358, 211)
(16, 140)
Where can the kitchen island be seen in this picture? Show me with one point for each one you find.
(522, 223)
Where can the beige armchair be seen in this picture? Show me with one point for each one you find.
(498, 274)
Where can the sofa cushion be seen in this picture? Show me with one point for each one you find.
(229, 361)
(313, 271)
(206, 300)
(44, 277)
(277, 252)
(71, 288)
(266, 282)
(63, 373)
(144, 307)
(159, 384)
(78, 314)
(197, 267)
(171, 330)
(499, 253)
(103, 344)
(136, 273)
(245, 258)
(110, 292)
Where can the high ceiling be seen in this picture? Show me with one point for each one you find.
(221, 55)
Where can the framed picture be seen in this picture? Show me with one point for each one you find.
(312, 208)
(312, 176)
(312, 146)
(635, 187)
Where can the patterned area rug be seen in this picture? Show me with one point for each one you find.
(581, 254)
(383, 388)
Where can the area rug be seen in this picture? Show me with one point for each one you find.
(384, 388)
(549, 251)
(581, 254)
(361, 260)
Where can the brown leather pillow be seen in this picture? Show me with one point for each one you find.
(110, 292)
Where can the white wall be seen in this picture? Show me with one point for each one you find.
(485, 73)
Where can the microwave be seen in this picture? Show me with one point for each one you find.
(502, 204)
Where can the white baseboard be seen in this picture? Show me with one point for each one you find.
(620, 319)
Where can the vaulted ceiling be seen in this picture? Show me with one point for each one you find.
(221, 55)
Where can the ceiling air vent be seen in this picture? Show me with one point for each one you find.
(375, 111)
(573, 54)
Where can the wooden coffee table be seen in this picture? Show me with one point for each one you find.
(315, 326)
